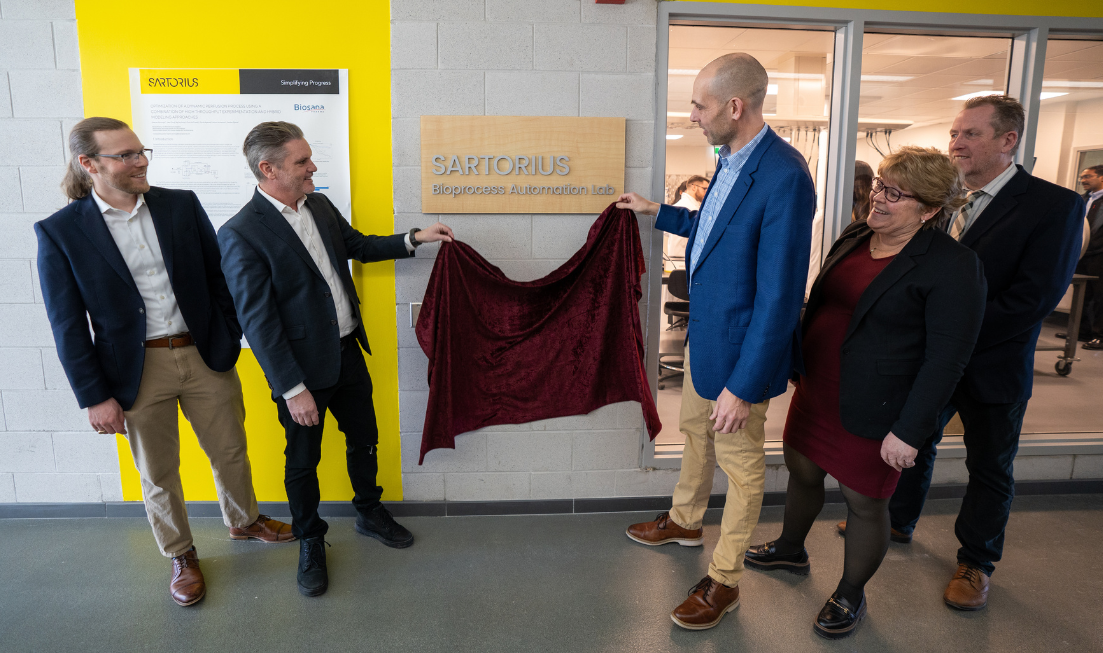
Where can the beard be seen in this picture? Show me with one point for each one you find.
(124, 182)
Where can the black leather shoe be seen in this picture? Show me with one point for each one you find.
(839, 618)
(766, 558)
(1082, 337)
(313, 576)
(1096, 343)
(381, 525)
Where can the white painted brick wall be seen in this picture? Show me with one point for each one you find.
(509, 58)
(48, 453)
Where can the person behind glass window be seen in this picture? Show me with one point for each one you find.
(863, 183)
(1091, 263)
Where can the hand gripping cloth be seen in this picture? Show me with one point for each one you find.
(509, 352)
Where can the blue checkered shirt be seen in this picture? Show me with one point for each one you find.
(730, 167)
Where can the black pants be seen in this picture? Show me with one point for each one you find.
(350, 401)
(991, 442)
(1091, 319)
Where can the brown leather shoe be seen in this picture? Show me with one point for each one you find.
(187, 586)
(894, 535)
(264, 529)
(968, 589)
(663, 531)
(707, 604)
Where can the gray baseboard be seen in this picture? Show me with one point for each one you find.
(472, 508)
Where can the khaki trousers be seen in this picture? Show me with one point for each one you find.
(212, 402)
(741, 457)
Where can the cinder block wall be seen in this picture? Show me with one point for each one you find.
(48, 452)
(514, 57)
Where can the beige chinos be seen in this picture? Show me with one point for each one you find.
(741, 456)
(212, 402)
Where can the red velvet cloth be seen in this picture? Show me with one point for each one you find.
(509, 352)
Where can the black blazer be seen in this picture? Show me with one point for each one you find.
(283, 301)
(1028, 239)
(911, 334)
(84, 276)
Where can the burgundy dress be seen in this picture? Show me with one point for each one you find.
(814, 427)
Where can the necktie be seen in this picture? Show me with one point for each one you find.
(962, 220)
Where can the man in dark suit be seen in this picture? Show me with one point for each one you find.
(1091, 320)
(285, 255)
(1027, 234)
(142, 264)
(748, 264)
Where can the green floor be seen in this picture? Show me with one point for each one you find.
(541, 583)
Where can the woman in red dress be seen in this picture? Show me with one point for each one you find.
(890, 325)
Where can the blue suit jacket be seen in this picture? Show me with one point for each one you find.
(283, 301)
(84, 277)
(747, 291)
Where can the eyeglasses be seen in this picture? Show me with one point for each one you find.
(891, 194)
(129, 158)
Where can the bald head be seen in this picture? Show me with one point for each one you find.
(737, 75)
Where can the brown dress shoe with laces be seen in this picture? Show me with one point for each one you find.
(187, 586)
(264, 529)
(968, 589)
(707, 604)
(663, 531)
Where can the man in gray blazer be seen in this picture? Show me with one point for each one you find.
(285, 256)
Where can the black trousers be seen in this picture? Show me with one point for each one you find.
(350, 401)
(1091, 320)
(991, 442)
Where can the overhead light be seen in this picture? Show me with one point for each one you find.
(1062, 84)
(682, 71)
(886, 78)
(775, 75)
(677, 114)
(771, 89)
(1050, 94)
(981, 82)
(673, 137)
(970, 96)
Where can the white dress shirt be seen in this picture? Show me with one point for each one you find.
(302, 222)
(136, 238)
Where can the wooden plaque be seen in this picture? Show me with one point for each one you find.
(520, 164)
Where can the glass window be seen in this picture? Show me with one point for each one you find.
(913, 86)
(799, 64)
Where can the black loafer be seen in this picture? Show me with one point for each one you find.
(313, 576)
(766, 558)
(839, 618)
(381, 525)
(1096, 343)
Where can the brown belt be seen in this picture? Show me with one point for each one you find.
(172, 342)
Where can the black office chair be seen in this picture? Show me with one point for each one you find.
(677, 284)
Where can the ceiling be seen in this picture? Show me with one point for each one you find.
(906, 79)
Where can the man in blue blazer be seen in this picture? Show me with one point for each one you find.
(142, 265)
(285, 255)
(747, 263)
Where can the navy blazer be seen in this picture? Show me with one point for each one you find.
(746, 294)
(910, 336)
(1028, 239)
(283, 301)
(84, 277)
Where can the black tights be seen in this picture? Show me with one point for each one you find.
(867, 524)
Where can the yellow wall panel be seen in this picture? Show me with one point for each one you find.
(117, 35)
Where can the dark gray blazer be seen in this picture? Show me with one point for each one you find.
(911, 335)
(283, 301)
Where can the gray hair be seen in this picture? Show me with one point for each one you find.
(266, 141)
(82, 141)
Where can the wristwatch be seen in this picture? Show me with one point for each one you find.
(413, 240)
